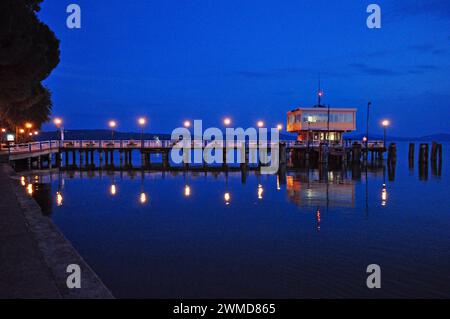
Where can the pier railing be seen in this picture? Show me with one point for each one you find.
(34, 147)
(54, 145)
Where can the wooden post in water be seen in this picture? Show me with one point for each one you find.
(148, 160)
(106, 158)
(100, 157)
(392, 153)
(224, 163)
(436, 159)
(433, 156)
(165, 159)
(92, 158)
(411, 151)
(121, 158)
(143, 161)
(282, 156)
(356, 153)
(67, 158)
(81, 158)
(423, 153)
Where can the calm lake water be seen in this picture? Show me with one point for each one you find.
(309, 234)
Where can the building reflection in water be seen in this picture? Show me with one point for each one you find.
(308, 190)
(317, 188)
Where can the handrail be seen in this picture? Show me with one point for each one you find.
(138, 144)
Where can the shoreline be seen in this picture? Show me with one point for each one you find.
(47, 253)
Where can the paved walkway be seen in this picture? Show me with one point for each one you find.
(33, 253)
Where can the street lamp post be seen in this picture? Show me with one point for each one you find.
(58, 123)
(367, 129)
(385, 124)
(142, 121)
(112, 125)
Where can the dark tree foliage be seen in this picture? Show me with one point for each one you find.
(29, 51)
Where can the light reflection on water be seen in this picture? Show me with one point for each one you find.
(309, 233)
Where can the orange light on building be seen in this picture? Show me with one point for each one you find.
(3, 130)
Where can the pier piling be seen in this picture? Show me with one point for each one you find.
(423, 153)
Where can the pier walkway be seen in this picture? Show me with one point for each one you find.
(80, 153)
(33, 253)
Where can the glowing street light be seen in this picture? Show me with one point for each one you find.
(279, 127)
(226, 121)
(57, 121)
(28, 125)
(187, 123)
(3, 130)
(112, 124)
(260, 123)
(142, 121)
(36, 133)
(21, 131)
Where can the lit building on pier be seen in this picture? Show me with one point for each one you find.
(321, 124)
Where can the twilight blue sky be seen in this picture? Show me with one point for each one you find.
(175, 60)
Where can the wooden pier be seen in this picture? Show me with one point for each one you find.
(99, 154)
